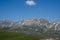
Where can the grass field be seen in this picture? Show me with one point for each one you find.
(6, 35)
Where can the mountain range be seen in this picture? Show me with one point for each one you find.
(40, 27)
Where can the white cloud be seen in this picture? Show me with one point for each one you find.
(30, 2)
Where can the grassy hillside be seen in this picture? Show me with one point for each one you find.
(5, 35)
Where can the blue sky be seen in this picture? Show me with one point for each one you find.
(16, 10)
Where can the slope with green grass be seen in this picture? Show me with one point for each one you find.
(6, 35)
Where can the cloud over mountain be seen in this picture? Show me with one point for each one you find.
(30, 2)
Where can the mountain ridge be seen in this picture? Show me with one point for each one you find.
(33, 26)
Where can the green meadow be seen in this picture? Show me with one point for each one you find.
(6, 35)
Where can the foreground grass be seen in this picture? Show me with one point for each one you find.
(6, 35)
